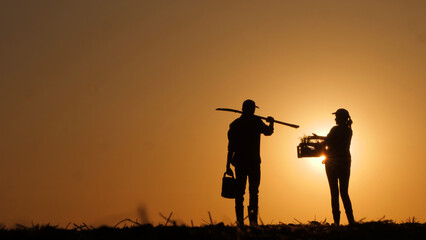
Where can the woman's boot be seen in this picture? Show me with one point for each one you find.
(336, 217)
(350, 216)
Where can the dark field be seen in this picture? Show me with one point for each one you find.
(313, 230)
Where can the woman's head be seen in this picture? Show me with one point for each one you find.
(343, 117)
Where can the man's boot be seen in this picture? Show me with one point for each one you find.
(350, 216)
(336, 217)
(252, 212)
(239, 212)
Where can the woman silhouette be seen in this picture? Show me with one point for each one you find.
(338, 164)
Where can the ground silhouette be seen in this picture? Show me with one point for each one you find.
(384, 229)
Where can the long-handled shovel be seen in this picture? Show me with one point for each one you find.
(264, 118)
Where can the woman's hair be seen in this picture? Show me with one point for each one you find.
(347, 121)
(343, 117)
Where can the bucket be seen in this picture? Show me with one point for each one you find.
(229, 186)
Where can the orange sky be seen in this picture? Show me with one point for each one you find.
(108, 107)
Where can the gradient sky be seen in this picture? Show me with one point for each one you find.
(108, 107)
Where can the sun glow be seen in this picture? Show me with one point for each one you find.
(316, 163)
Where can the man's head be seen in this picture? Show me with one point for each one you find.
(249, 107)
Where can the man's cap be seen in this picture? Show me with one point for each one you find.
(249, 104)
(341, 112)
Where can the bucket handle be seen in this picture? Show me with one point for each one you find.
(224, 174)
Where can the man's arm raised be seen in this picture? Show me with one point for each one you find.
(269, 129)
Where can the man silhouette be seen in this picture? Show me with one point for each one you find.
(244, 154)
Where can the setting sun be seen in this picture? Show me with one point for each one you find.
(316, 164)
